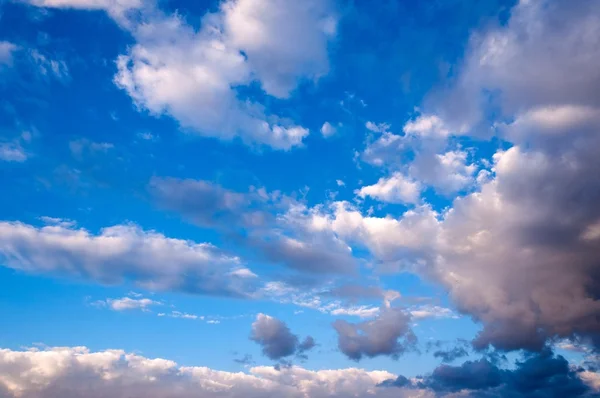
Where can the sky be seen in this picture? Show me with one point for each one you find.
(315, 198)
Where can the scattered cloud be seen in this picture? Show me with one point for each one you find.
(276, 339)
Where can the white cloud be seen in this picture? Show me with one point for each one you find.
(284, 40)
(448, 173)
(191, 74)
(128, 303)
(431, 311)
(377, 127)
(76, 372)
(395, 189)
(427, 126)
(340, 183)
(243, 273)
(327, 130)
(6, 52)
(12, 152)
(119, 253)
(117, 9)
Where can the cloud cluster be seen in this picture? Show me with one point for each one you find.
(77, 372)
(192, 75)
(276, 339)
(121, 253)
(539, 375)
(388, 334)
(275, 226)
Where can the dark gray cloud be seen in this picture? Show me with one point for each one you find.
(276, 339)
(538, 375)
(388, 334)
(451, 354)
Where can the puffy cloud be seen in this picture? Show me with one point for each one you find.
(327, 130)
(264, 30)
(275, 337)
(395, 189)
(520, 255)
(76, 372)
(191, 75)
(447, 172)
(388, 334)
(120, 253)
(524, 62)
(426, 126)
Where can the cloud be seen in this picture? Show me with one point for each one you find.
(388, 334)
(327, 130)
(276, 339)
(117, 9)
(538, 375)
(120, 253)
(263, 30)
(394, 189)
(426, 126)
(192, 75)
(6, 52)
(520, 254)
(128, 303)
(276, 227)
(83, 146)
(452, 354)
(76, 372)
(12, 152)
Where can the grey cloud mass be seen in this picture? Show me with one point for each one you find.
(387, 334)
(276, 339)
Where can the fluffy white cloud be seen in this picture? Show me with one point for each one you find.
(327, 130)
(76, 372)
(447, 172)
(192, 75)
(283, 40)
(427, 126)
(395, 189)
(119, 253)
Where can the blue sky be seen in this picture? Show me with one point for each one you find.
(411, 184)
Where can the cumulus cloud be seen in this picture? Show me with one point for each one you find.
(388, 334)
(76, 372)
(276, 339)
(264, 30)
(520, 255)
(120, 253)
(327, 130)
(395, 189)
(191, 75)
